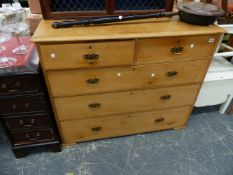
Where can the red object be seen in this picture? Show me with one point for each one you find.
(229, 4)
(22, 60)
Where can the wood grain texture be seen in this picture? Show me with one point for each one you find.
(74, 82)
(67, 56)
(125, 124)
(132, 82)
(128, 30)
(73, 108)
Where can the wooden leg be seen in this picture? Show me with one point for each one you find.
(19, 154)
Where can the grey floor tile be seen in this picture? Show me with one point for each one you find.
(205, 147)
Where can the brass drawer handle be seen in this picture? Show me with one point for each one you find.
(8, 125)
(96, 129)
(13, 90)
(91, 58)
(26, 105)
(159, 120)
(34, 139)
(172, 74)
(3, 86)
(27, 126)
(17, 84)
(94, 105)
(93, 81)
(27, 136)
(21, 122)
(165, 97)
(37, 136)
(177, 50)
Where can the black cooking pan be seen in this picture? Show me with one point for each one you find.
(197, 13)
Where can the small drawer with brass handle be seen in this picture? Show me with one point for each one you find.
(94, 105)
(172, 74)
(87, 54)
(20, 83)
(159, 120)
(91, 58)
(96, 129)
(93, 81)
(177, 50)
(23, 103)
(38, 135)
(165, 97)
(27, 121)
(164, 49)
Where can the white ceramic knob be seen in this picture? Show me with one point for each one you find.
(152, 75)
(53, 55)
(118, 74)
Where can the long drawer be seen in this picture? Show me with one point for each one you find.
(176, 48)
(120, 125)
(70, 108)
(79, 55)
(77, 82)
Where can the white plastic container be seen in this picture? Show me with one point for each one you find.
(218, 85)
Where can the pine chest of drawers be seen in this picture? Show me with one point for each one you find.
(115, 80)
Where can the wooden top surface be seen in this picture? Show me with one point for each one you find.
(127, 30)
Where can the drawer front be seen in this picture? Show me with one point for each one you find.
(32, 136)
(19, 84)
(77, 82)
(120, 125)
(61, 56)
(123, 102)
(27, 121)
(176, 48)
(23, 104)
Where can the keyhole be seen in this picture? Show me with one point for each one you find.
(90, 47)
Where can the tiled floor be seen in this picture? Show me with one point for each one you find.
(205, 147)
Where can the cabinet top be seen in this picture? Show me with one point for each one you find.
(127, 30)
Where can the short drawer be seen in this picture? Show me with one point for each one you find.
(78, 55)
(126, 124)
(176, 48)
(27, 121)
(77, 82)
(89, 106)
(23, 104)
(32, 136)
(19, 84)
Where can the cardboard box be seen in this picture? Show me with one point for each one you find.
(35, 6)
(34, 20)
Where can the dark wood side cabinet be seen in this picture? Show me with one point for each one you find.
(66, 9)
(25, 110)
